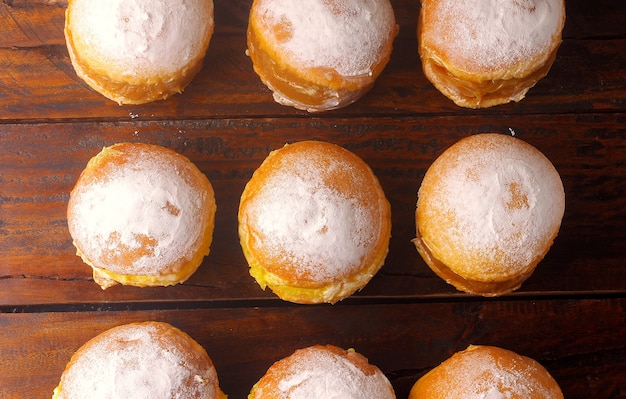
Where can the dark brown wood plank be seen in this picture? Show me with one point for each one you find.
(37, 81)
(31, 24)
(580, 342)
(40, 163)
(570, 315)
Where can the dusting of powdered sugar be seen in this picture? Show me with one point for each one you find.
(344, 35)
(326, 375)
(139, 36)
(488, 33)
(478, 374)
(140, 361)
(316, 229)
(145, 207)
(505, 197)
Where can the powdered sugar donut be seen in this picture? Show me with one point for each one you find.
(140, 360)
(481, 53)
(321, 372)
(489, 209)
(314, 223)
(319, 55)
(487, 372)
(141, 215)
(137, 51)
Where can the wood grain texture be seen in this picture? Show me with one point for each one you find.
(403, 340)
(588, 152)
(38, 82)
(570, 315)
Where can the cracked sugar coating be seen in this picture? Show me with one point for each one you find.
(140, 360)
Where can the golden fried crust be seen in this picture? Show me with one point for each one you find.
(320, 367)
(161, 359)
(314, 223)
(468, 285)
(488, 211)
(309, 87)
(485, 372)
(137, 187)
(136, 84)
(481, 84)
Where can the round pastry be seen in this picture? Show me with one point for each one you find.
(137, 51)
(141, 215)
(321, 372)
(140, 360)
(314, 223)
(488, 211)
(487, 372)
(483, 53)
(318, 55)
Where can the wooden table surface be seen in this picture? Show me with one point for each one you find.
(570, 315)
